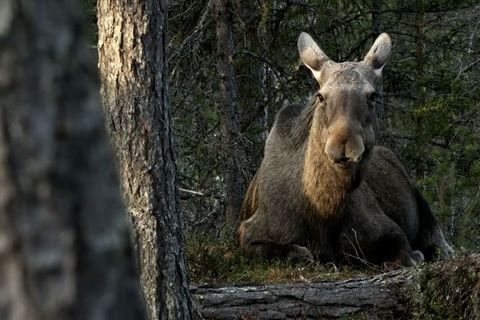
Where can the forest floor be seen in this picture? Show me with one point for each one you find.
(223, 262)
(447, 289)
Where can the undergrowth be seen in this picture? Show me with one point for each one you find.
(223, 262)
(450, 290)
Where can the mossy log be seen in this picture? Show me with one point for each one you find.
(407, 293)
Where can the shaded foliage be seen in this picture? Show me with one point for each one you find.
(450, 290)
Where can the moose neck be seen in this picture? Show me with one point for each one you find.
(326, 188)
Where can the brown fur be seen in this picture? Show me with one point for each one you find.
(324, 190)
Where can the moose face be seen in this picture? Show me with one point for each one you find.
(346, 112)
(345, 117)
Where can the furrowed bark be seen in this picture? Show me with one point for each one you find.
(133, 65)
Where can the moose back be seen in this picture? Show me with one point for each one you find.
(324, 190)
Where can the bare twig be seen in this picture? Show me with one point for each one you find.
(276, 70)
(467, 68)
(197, 29)
(197, 193)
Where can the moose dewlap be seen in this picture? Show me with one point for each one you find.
(324, 190)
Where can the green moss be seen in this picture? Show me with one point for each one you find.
(450, 290)
(224, 262)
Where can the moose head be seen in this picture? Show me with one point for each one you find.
(344, 121)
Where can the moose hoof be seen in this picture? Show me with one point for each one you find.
(417, 257)
(299, 253)
(448, 252)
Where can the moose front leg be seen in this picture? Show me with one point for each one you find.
(380, 242)
(405, 259)
(395, 249)
(255, 242)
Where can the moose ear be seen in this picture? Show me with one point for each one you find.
(311, 54)
(379, 53)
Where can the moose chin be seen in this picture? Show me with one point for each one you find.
(324, 190)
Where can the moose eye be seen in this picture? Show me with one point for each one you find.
(372, 97)
(320, 97)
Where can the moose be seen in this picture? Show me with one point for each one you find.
(324, 190)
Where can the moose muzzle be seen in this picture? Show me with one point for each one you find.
(344, 146)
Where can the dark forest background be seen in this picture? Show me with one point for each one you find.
(430, 110)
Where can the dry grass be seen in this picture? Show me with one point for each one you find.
(223, 262)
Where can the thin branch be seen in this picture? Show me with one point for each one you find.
(197, 29)
(197, 193)
(467, 68)
(276, 70)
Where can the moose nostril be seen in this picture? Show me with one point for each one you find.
(343, 160)
(358, 158)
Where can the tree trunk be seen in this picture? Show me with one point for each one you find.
(227, 101)
(377, 29)
(64, 247)
(133, 65)
(419, 76)
(253, 83)
(419, 73)
(377, 21)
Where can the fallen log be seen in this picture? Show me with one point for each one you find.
(402, 294)
(380, 296)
